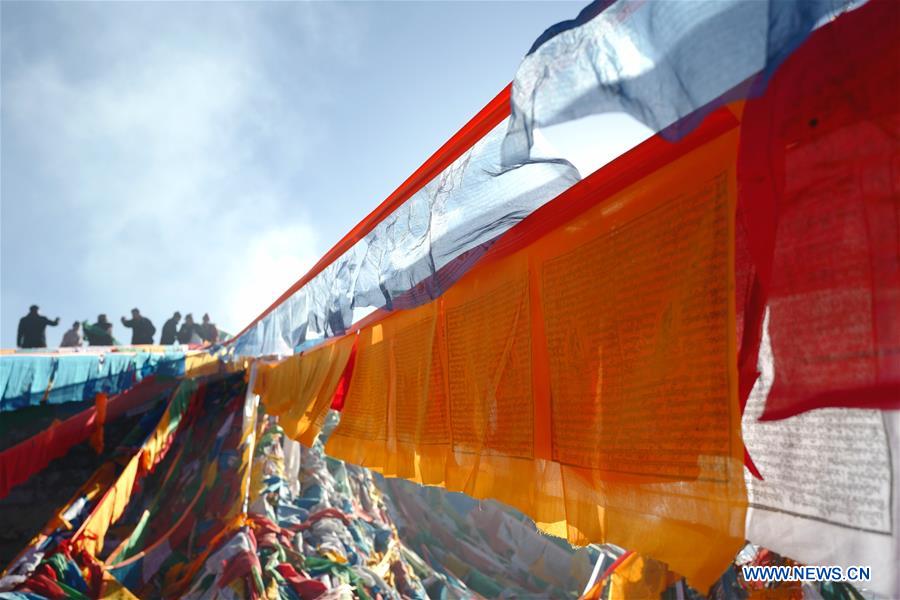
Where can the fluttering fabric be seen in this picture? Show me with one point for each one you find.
(197, 505)
(23, 380)
(821, 217)
(92, 534)
(181, 487)
(631, 576)
(20, 462)
(657, 61)
(466, 205)
(192, 498)
(828, 474)
(490, 546)
(667, 63)
(579, 360)
(609, 310)
(29, 379)
(300, 389)
(820, 213)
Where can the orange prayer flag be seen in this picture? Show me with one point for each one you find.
(584, 373)
(96, 439)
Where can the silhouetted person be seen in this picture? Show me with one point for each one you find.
(142, 329)
(32, 329)
(170, 330)
(186, 333)
(71, 338)
(208, 331)
(100, 333)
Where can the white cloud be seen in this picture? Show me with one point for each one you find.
(177, 161)
(274, 262)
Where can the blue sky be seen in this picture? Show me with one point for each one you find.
(201, 156)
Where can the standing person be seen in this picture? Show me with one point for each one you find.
(100, 333)
(32, 329)
(170, 330)
(186, 333)
(71, 338)
(208, 331)
(142, 328)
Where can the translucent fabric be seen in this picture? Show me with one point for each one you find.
(584, 371)
(632, 576)
(820, 212)
(299, 389)
(657, 61)
(467, 205)
(201, 364)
